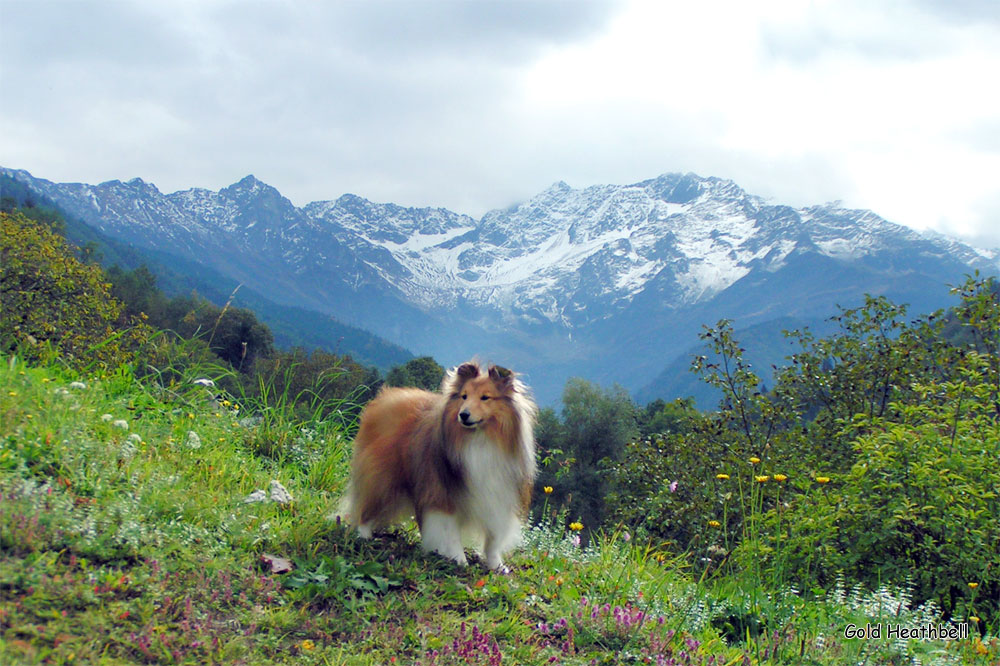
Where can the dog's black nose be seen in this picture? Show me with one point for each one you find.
(465, 417)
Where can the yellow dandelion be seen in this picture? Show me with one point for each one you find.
(973, 618)
(822, 479)
(226, 403)
(973, 586)
(761, 479)
(547, 490)
(780, 477)
(714, 523)
(722, 477)
(754, 460)
(12, 393)
(576, 527)
(307, 644)
(190, 415)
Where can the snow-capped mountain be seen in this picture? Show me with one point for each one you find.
(609, 282)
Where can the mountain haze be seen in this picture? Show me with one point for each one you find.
(610, 282)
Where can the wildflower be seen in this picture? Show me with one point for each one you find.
(192, 441)
(974, 618)
(626, 537)
(575, 540)
(722, 477)
(547, 490)
(77, 385)
(780, 477)
(822, 479)
(120, 423)
(107, 418)
(226, 403)
(12, 394)
(307, 644)
(973, 586)
(576, 526)
(761, 479)
(673, 486)
(714, 523)
(754, 460)
(480, 582)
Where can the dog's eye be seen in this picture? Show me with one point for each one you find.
(465, 396)
(485, 397)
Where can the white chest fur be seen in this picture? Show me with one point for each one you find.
(491, 500)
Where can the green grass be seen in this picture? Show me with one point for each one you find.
(125, 539)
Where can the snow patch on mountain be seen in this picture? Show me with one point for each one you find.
(567, 256)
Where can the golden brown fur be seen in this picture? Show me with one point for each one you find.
(419, 452)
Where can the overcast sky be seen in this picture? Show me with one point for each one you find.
(887, 105)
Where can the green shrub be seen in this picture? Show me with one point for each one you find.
(55, 305)
(919, 505)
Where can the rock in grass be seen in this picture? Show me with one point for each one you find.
(255, 497)
(279, 494)
(275, 493)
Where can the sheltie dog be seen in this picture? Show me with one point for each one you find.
(460, 460)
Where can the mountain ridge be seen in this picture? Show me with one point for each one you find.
(609, 281)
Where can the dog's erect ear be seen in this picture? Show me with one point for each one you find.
(467, 371)
(500, 375)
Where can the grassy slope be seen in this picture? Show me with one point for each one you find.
(125, 539)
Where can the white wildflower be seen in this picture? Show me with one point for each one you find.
(107, 417)
(192, 441)
(77, 385)
(120, 423)
(134, 439)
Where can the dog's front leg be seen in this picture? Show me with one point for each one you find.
(440, 533)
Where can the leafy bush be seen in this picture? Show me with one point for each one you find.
(423, 372)
(54, 304)
(874, 457)
(596, 425)
(919, 503)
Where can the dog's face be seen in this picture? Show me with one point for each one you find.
(480, 397)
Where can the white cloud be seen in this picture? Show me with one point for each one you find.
(474, 105)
